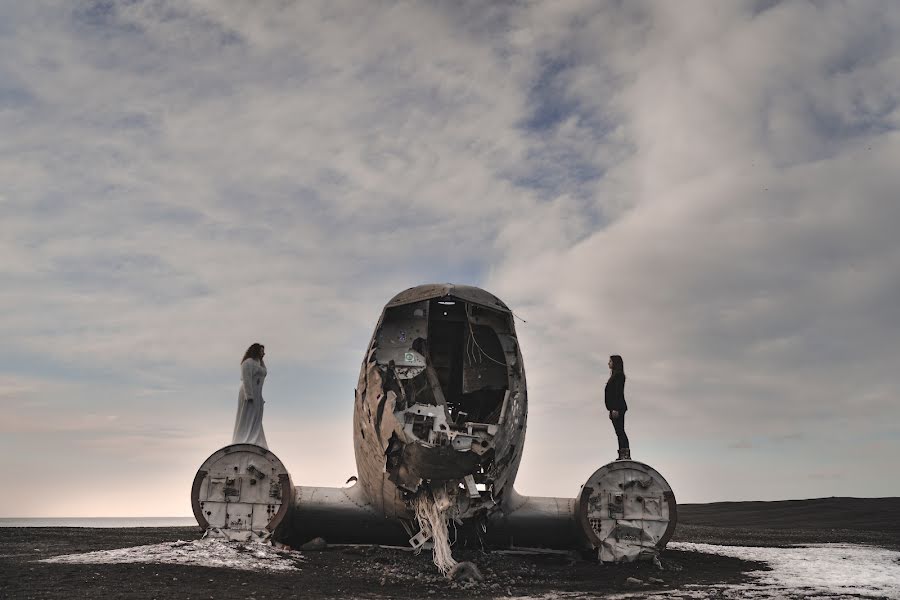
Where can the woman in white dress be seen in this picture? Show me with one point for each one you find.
(248, 428)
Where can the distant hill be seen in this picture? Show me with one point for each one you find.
(862, 514)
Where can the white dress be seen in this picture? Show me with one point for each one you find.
(248, 428)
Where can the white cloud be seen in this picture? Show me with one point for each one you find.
(710, 192)
(751, 279)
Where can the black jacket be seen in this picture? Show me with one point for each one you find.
(615, 393)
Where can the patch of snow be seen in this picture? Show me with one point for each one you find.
(833, 571)
(842, 570)
(246, 556)
(818, 571)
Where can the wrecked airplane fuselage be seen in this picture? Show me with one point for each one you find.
(438, 430)
(441, 401)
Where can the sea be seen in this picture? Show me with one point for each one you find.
(100, 522)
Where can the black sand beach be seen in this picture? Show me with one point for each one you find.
(355, 572)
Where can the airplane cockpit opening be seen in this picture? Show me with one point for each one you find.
(447, 367)
(469, 360)
(461, 340)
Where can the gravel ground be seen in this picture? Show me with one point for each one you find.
(817, 521)
(372, 572)
(339, 572)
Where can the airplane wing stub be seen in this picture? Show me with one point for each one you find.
(627, 511)
(241, 491)
(339, 515)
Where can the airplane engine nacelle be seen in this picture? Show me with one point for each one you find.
(627, 511)
(241, 492)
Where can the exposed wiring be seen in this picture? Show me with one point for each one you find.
(475, 341)
(455, 533)
(470, 351)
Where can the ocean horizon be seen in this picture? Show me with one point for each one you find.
(98, 522)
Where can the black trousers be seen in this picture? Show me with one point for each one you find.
(619, 426)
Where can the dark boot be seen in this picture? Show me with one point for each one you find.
(624, 454)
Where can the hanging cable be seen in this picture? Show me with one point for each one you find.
(475, 341)
(470, 351)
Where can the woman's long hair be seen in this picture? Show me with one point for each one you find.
(617, 365)
(255, 352)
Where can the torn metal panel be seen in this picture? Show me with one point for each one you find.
(400, 338)
(420, 539)
(426, 423)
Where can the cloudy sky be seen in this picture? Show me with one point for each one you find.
(711, 189)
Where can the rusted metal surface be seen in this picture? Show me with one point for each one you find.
(627, 511)
(241, 491)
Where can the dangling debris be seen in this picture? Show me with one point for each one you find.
(433, 524)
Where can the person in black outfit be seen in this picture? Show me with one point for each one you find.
(615, 403)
